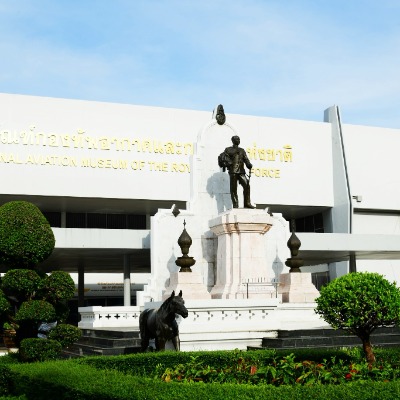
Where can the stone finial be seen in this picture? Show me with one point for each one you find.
(294, 262)
(175, 210)
(220, 115)
(185, 241)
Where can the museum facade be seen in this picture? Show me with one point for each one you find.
(105, 174)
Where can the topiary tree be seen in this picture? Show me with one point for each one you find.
(22, 284)
(58, 287)
(29, 298)
(30, 315)
(26, 238)
(66, 334)
(359, 303)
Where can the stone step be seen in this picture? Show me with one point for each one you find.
(109, 342)
(331, 332)
(79, 350)
(329, 338)
(111, 333)
(105, 342)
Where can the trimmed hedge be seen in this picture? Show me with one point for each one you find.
(145, 363)
(70, 380)
(34, 349)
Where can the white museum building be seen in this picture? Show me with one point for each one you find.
(118, 181)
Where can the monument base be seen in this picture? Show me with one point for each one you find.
(241, 254)
(191, 284)
(297, 288)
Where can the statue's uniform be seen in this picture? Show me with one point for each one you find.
(237, 158)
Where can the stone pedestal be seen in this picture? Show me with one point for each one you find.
(191, 284)
(297, 288)
(241, 254)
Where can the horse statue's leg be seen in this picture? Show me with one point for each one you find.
(144, 343)
(160, 344)
(176, 342)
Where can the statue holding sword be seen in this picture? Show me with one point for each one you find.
(234, 159)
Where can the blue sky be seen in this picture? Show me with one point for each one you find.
(277, 58)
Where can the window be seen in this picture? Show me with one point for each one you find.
(54, 218)
(312, 223)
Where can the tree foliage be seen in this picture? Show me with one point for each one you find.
(21, 283)
(58, 286)
(26, 238)
(36, 311)
(66, 334)
(359, 303)
(29, 298)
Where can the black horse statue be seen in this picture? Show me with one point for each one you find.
(160, 323)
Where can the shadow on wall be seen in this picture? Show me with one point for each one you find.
(172, 267)
(277, 267)
(218, 187)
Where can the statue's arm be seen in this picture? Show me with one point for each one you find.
(246, 160)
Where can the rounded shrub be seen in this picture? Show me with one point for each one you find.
(58, 286)
(6, 382)
(34, 349)
(21, 283)
(36, 311)
(26, 238)
(66, 334)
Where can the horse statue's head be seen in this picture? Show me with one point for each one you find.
(176, 304)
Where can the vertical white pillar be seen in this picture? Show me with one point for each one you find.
(127, 281)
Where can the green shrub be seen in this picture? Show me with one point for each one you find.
(6, 383)
(5, 306)
(58, 286)
(21, 283)
(359, 303)
(26, 238)
(34, 349)
(62, 311)
(36, 311)
(66, 334)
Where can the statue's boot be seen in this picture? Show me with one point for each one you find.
(247, 202)
(235, 201)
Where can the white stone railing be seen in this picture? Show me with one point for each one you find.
(109, 317)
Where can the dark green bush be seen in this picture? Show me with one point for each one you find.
(34, 349)
(6, 383)
(5, 305)
(36, 311)
(62, 311)
(58, 286)
(26, 238)
(21, 283)
(66, 334)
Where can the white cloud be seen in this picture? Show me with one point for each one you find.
(288, 59)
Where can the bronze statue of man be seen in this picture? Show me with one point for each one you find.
(234, 158)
